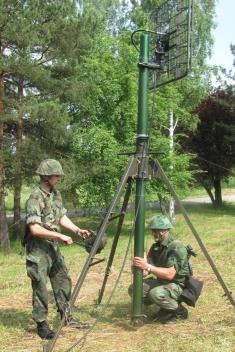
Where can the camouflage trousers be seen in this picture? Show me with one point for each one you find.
(163, 295)
(43, 261)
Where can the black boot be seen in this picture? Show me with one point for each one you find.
(172, 316)
(162, 313)
(181, 312)
(44, 331)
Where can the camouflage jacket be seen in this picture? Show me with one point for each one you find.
(168, 253)
(44, 208)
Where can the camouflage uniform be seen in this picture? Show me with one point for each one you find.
(166, 254)
(43, 257)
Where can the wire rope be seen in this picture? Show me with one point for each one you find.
(82, 339)
(212, 163)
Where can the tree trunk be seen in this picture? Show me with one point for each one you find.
(209, 192)
(171, 138)
(163, 204)
(4, 237)
(18, 176)
(218, 192)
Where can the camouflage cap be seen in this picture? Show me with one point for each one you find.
(160, 222)
(50, 167)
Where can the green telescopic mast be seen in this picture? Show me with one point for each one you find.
(142, 155)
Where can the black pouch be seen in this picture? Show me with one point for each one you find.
(191, 292)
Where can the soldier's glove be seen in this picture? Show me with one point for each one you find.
(89, 242)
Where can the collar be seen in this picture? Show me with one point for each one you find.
(45, 192)
(166, 241)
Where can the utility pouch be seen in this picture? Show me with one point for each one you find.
(191, 292)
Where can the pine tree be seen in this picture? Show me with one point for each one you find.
(40, 45)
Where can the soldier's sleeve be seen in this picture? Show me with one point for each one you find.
(173, 259)
(63, 211)
(176, 258)
(33, 210)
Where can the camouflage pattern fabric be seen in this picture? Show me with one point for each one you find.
(43, 257)
(49, 167)
(160, 222)
(161, 292)
(164, 296)
(44, 208)
(43, 260)
(168, 253)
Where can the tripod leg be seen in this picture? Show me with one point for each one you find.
(115, 241)
(130, 170)
(160, 171)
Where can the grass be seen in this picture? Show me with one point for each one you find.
(228, 188)
(210, 326)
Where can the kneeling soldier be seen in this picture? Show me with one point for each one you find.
(167, 261)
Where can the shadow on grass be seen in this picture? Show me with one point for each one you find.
(15, 318)
(116, 314)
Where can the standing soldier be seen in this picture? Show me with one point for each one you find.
(44, 215)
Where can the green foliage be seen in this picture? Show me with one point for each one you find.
(78, 77)
(213, 142)
(96, 154)
(35, 44)
(111, 83)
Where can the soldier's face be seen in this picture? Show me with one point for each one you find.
(159, 234)
(53, 180)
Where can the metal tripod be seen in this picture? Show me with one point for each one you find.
(156, 170)
(139, 169)
(134, 170)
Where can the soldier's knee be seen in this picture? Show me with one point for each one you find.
(157, 295)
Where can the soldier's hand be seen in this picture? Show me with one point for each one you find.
(84, 233)
(67, 239)
(140, 263)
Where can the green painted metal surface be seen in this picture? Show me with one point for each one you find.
(141, 152)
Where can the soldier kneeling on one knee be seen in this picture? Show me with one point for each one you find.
(167, 262)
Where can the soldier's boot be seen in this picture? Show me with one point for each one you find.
(181, 312)
(172, 316)
(74, 323)
(163, 315)
(44, 331)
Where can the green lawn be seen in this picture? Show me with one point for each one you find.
(210, 326)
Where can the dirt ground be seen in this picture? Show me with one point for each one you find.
(211, 323)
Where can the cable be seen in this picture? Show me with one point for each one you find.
(152, 111)
(112, 292)
(212, 163)
(138, 31)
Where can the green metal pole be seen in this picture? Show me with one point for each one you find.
(142, 155)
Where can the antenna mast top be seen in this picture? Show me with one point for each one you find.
(172, 23)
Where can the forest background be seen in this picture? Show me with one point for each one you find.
(68, 90)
